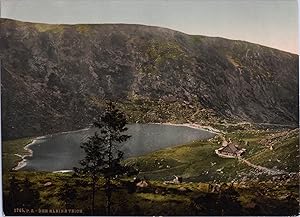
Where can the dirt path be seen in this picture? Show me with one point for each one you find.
(254, 123)
(197, 112)
(258, 167)
(263, 169)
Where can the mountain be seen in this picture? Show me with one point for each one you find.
(57, 77)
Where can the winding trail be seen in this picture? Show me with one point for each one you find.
(257, 167)
(224, 143)
(263, 169)
(257, 123)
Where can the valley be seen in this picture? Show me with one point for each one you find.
(183, 96)
(203, 174)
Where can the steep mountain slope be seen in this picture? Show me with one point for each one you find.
(56, 77)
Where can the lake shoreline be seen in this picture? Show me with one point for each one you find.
(194, 126)
(23, 162)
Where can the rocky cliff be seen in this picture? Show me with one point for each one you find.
(57, 77)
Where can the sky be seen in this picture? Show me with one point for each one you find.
(272, 23)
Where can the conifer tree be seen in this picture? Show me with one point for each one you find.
(103, 153)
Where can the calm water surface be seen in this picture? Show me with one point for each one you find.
(62, 151)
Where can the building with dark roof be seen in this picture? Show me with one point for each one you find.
(230, 150)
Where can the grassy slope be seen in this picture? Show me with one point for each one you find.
(178, 199)
(284, 156)
(198, 162)
(193, 161)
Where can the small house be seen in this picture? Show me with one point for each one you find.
(230, 150)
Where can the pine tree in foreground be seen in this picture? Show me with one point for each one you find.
(103, 152)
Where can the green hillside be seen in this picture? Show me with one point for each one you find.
(197, 161)
(211, 185)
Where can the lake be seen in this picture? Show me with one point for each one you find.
(62, 151)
